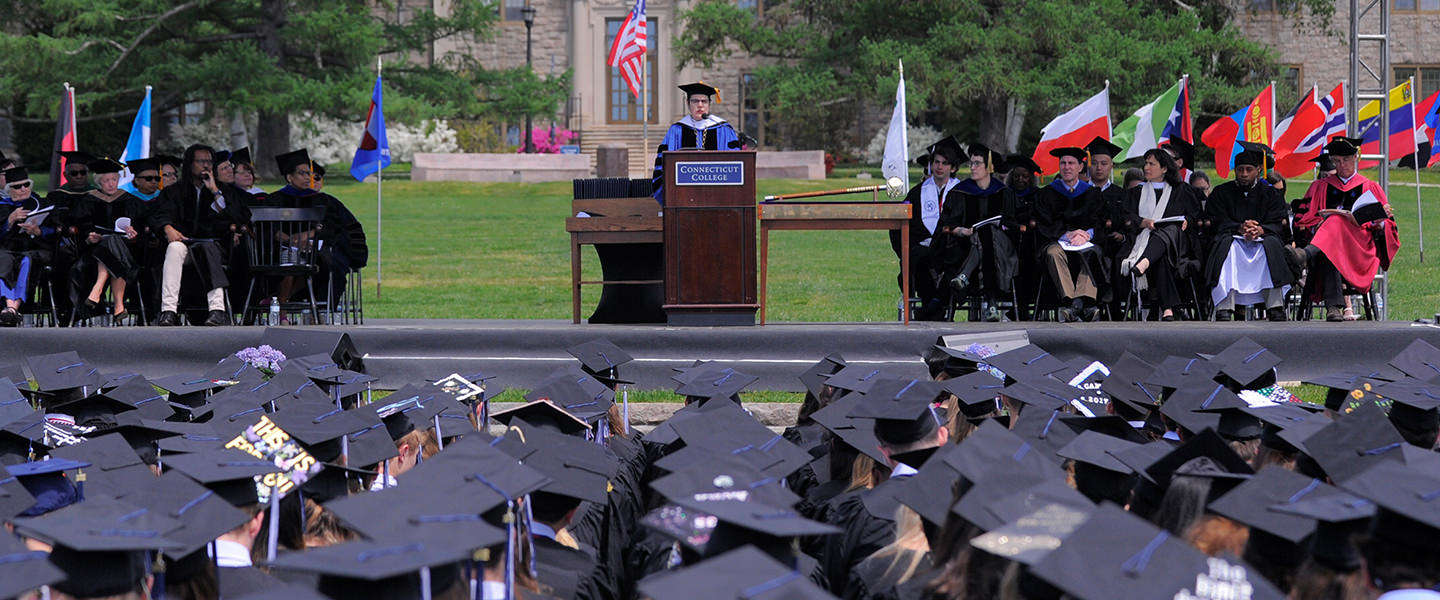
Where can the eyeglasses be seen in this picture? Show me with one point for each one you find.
(20, 186)
(150, 178)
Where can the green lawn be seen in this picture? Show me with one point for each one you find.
(500, 251)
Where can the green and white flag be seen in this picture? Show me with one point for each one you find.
(1141, 130)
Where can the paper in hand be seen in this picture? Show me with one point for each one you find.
(990, 221)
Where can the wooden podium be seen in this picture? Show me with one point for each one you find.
(710, 238)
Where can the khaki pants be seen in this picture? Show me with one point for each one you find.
(170, 275)
(1057, 262)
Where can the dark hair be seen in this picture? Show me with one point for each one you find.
(1183, 504)
(1098, 484)
(1133, 175)
(948, 153)
(189, 159)
(1275, 179)
(549, 508)
(1314, 581)
(1199, 176)
(1394, 565)
(1167, 162)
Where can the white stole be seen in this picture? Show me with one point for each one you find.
(1150, 208)
(930, 198)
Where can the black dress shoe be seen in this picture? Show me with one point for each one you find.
(217, 318)
(1168, 318)
(167, 318)
(1089, 314)
(1275, 313)
(1224, 314)
(9, 318)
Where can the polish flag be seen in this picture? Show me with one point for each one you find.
(1074, 129)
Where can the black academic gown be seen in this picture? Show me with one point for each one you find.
(1177, 243)
(1059, 211)
(874, 579)
(344, 246)
(191, 211)
(572, 574)
(867, 521)
(965, 206)
(113, 250)
(243, 581)
(922, 259)
(1230, 206)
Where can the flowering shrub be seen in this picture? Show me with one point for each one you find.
(544, 144)
(264, 358)
(331, 142)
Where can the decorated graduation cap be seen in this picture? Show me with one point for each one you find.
(744, 572)
(1035, 535)
(1344, 146)
(724, 477)
(712, 527)
(700, 87)
(1256, 155)
(101, 166)
(292, 160)
(1185, 151)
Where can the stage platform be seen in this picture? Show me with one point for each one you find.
(520, 352)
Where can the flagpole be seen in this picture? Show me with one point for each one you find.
(1419, 208)
(379, 211)
(644, 104)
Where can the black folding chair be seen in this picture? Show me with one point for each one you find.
(282, 243)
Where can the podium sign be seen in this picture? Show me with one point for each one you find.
(710, 263)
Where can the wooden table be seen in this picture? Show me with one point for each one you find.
(832, 216)
(595, 230)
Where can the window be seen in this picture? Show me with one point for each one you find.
(1417, 5)
(1291, 80)
(510, 10)
(757, 7)
(754, 118)
(623, 106)
(1427, 78)
(1260, 6)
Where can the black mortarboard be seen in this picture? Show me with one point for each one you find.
(101, 166)
(72, 156)
(1355, 442)
(1185, 149)
(714, 381)
(115, 468)
(1115, 554)
(982, 447)
(1420, 360)
(204, 514)
(1001, 482)
(1096, 449)
(1053, 490)
(903, 410)
(739, 434)
(814, 377)
(242, 157)
(232, 474)
(317, 425)
(577, 469)
(1026, 363)
(63, 371)
(1043, 393)
(546, 414)
(1177, 371)
(1344, 146)
(471, 465)
(1323, 162)
(933, 481)
(601, 359)
(369, 445)
(1047, 430)
(923, 161)
(744, 572)
(1100, 145)
(1410, 506)
(1078, 153)
(1199, 406)
(977, 392)
(990, 157)
(356, 569)
(13, 404)
(16, 174)
(857, 432)
(949, 145)
(396, 416)
(1277, 536)
(1206, 444)
(166, 159)
(724, 478)
(221, 156)
(292, 160)
(699, 88)
(14, 498)
(857, 378)
(1032, 537)
(1256, 155)
(22, 569)
(1131, 397)
(1247, 363)
(101, 545)
(409, 512)
(188, 389)
(1339, 517)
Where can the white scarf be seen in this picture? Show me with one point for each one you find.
(1153, 209)
(930, 196)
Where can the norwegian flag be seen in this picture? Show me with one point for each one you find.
(628, 51)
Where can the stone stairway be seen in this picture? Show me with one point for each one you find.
(641, 160)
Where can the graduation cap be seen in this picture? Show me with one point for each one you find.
(221, 156)
(1342, 385)
(74, 156)
(1277, 419)
(857, 432)
(101, 545)
(1047, 430)
(929, 491)
(724, 477)
(1078, 153)
(1115, 554)
(735, 523)
(744, 572)
(1355, 442)
(814, 377)
(1344, 146)
(1004, 481)
(544, 413)
(602, 360)
(1035, 535)
(1248, 364)
(1323, 162)
(168, 159)
(1420, 360)
(700, 87)
(242, 157)
(1410, 508)
(232, 474)
(857, 378)
(394, 414)
(1276, 536)
(62, 372)
(16, 175)
(739, 434)
(982, 151)
(983, 447)
(101, 166)
(1340, 517)
(47, 482)
(14, 498)
(1100, 145)
(389, 568)
(576, 469)
(188, 389)
(115, 468)
(1043, 394)
(976, 391)
(13, 404)
(1183, 149)
(471, 465)
(1026, 363)
(407, 512)
(714, 381)
(1099, 475)
(1132, 398)
(1199, 406)
(203, 514)
(292, 160)
(369, 445)
(1256, 155)
(22, 569)
(903, 410)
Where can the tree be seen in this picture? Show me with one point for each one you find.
(273, 57)
(980, 67)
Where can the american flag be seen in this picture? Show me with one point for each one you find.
(628, 51)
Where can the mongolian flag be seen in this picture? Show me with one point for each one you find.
(1254, 123)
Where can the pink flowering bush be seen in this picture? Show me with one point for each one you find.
(544, 144)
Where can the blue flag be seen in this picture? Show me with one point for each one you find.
(374, 151)
(139, 144)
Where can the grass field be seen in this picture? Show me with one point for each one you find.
(500, 251)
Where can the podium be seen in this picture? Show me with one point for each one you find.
(709, 217)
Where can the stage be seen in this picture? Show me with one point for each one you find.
(520, 352)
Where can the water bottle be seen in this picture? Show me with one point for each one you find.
(274, 311)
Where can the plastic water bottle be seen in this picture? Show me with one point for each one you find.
(274, 311)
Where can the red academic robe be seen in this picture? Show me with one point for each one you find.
(1349, 247)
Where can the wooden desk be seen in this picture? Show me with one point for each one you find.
(612, 221)
(829, 216)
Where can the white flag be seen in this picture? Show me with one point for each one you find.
(896, 165)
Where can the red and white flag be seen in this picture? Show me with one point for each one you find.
(628, 51)
(1292, 157)
(1074, 129)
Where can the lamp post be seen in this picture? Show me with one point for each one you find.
(528, 13)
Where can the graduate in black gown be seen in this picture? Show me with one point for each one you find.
(1109, 236)
(26, 246)
(927, 201)
(1158, 213)
(1020, 172)
(1067, 214)
(981, 256)
(1249, 217)
(108, 221)
(198, 223)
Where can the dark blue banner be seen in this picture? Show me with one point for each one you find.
(710, 173)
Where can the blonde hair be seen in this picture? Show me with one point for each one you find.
(322, 528)
(909, 550)
(866, 473)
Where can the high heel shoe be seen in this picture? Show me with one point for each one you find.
(119, 318)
